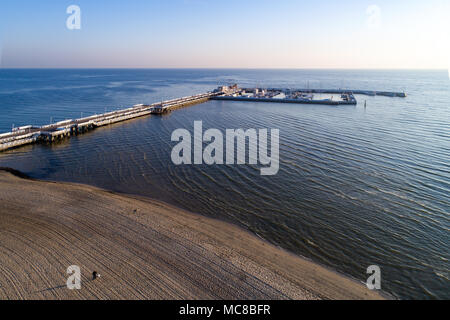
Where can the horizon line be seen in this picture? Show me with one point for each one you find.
(221, 68)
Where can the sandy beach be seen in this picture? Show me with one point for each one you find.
(143, 249)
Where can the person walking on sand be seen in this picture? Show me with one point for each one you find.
(95, 275)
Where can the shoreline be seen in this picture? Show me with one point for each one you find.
(144, 249)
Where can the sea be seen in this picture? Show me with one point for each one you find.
(357, 185)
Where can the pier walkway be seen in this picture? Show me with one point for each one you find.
(53, 132)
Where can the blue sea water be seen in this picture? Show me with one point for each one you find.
(357, 186)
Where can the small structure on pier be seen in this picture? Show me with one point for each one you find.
(159, 109)
(227, 89)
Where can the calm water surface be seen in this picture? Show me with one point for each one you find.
(356, 187)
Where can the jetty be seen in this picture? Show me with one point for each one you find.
(50, 133)
(26, 135)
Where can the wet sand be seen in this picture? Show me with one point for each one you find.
(143, 249)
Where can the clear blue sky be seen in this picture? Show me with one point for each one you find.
(227, 34)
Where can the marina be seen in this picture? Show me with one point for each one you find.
(301, 96)
(58, 131)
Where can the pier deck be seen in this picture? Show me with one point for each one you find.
(53, 132)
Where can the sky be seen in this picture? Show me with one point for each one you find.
(347, 34)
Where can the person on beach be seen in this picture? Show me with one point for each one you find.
(95, 275)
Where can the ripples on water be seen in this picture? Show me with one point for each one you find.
(356, 186)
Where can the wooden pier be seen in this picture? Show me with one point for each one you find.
(53, 132)
(58, 131)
